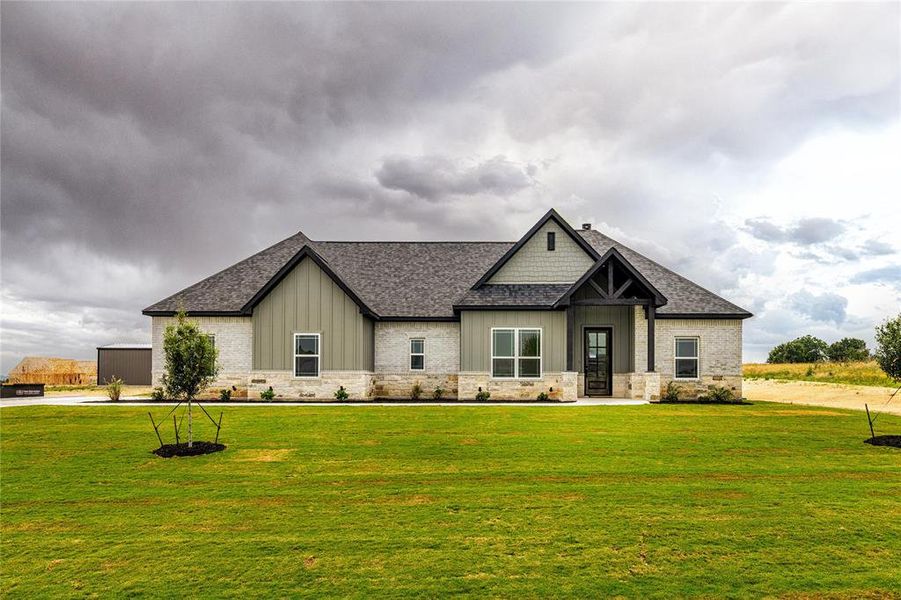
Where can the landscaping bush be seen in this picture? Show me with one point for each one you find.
(341, 394)
(438, 393)
(114, 388)
(416, 392)
(543, 397)
(158, 395)
(718, 394)
(482, 396)
(671, 392)
(225, 395)
(267, 394)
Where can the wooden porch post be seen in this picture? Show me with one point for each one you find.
(570, 332)
(652, 310)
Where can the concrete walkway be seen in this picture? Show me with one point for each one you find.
(98, 401)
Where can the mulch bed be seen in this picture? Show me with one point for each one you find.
(893, 441)
(170, 450)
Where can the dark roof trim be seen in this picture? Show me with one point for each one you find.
(731, 316)
(458, 308)
(613, 253)
(550, 215)
(305, 252)
(194, 313)
(438, 319)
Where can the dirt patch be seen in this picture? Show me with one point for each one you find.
(893, 441)
(198, 448)
(831, 395)
(263, 455)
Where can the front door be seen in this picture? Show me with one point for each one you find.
(598, 361)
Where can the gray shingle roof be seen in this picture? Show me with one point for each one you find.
(422, 279)
(533, 294)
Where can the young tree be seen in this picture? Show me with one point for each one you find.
(191, 363)
(888, 347)
(801, 350)
(848, 350)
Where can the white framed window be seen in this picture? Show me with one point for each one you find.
(515, 353)
(417, 354)
(686, 363)
(306, 354)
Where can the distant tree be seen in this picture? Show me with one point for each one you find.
(888, 347)
(190, 364)
(848, 350)
(801, 350)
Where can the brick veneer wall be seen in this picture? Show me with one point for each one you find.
(234, 340)
(392, 346)
(719, 351)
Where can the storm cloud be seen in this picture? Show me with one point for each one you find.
(147, 145)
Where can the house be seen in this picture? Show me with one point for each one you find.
(570, 312)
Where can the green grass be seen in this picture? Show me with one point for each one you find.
(853, 373)
(660, 500)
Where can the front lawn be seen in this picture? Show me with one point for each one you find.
(660, 500)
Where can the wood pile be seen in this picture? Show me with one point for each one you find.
(54, 371)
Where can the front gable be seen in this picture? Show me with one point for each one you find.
(532, 261)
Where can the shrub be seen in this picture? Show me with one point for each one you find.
(267, 394)
(888, 347)
(158, 395)
(718, 394)
(543, 397)
(848, 350)
(416, 392)
(438, 393)
(225, 395)
(671, 392)
(114, 388)
(809, 372)
(483, 395)
(341, 394)
(801, 350)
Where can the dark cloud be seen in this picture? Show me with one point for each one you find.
(436, 177)
(804, 232)
(890, 275)
(146, 145)
(825, 307)
(877, 248)
(764, 230)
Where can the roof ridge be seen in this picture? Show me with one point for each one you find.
(409, 242)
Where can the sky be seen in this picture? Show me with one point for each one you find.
(754, 148)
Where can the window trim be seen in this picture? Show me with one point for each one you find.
(696, 358)
(412, 354)
(318, 355)
(516, 356)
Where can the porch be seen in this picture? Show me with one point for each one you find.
(610, 318)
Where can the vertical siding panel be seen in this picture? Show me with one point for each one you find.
(307, 300)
